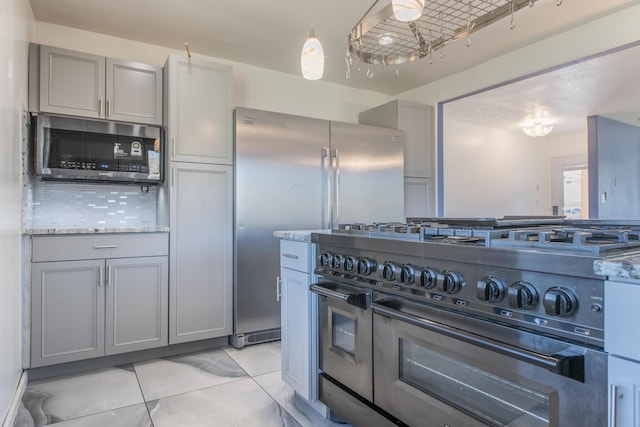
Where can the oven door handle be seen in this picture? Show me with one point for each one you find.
(571, 366)
(357, 299)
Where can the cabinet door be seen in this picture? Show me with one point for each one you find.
(137, 303)
(134, 92)
(295, 316)
(624, 378)
(72, 83)
(67, 311)
(200, 104)
(417, 123)
(201, 250)
(418, 199)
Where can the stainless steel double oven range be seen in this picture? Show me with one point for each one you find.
(479, 322)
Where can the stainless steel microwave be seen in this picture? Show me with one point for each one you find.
(69, 148)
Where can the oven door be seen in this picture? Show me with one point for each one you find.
(345, 335)
(430, 373)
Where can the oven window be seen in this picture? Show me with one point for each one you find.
(344, 333)
(488, 397)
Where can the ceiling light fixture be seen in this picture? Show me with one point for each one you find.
(407, 10)
(537, 128)
(312, 58)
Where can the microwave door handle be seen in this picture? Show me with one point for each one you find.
(565, 365)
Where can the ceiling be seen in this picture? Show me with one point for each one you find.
(271, 33)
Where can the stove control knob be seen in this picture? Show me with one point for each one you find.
(407, 274)
(429, 277)
(522, 295)
(450, 281)
(388, 270)
(350, 264)
(365, 266)
(491, 289)
(560, 302)
(337, 261)
(325, 259)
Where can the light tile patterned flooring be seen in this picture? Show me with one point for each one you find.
(225, 387)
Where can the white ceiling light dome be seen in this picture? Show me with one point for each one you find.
(537, 128)
(407, 10)
(312, 58)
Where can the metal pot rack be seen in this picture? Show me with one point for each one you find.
(382, 40)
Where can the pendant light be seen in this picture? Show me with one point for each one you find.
(407, 10)
(312, 58)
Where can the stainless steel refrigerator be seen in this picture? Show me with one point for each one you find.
(299, 173)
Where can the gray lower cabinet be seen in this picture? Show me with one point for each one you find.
(201, 282)
(88, 308)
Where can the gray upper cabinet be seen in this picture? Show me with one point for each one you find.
(80, 84)
(200, 110)
(94, 295)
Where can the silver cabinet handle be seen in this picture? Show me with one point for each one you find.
(613, 406)
(173, 146)
(108, 274)
(108, 107)
(99, 276)
(278, 288)
(106, 246)
(292, 256)
(100, 106)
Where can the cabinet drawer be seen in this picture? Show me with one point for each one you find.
(294, 255)
(89, 246)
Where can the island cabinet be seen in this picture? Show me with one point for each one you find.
(199, 192)
(96, 295)
(417, 123)
(299, 320)
(81, 84)
(621, 342)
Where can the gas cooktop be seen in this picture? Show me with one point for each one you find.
(549, 233)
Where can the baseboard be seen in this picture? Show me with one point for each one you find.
(10, 419)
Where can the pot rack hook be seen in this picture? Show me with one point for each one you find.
(470, 25)
(513, 11)
(558, 2)
(186, 46)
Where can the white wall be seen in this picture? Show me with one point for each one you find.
(491, 172)
(16, 23)
(254, 87)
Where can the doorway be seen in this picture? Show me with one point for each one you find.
(570, 186)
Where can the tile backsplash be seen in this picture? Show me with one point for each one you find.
(54, 204)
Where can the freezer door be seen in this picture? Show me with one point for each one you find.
(368, 167)
(279, 186)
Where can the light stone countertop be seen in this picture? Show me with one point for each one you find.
(300, 235)
(622, 267)
(94, 230)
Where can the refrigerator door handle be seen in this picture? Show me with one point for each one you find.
(335, 218)
(326, 165)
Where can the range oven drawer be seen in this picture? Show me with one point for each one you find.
(427, 371)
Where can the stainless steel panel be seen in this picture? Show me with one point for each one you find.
(370, 177)
(279, 186)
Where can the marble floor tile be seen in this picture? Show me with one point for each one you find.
(179, 374)
(130, 416)
(238, 404)
(257, 359)
(72, 396)
(283, 394)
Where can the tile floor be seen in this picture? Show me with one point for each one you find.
(223, 387)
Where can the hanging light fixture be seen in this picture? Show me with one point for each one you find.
(312, 58)
(537, 128)
(407, 10)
